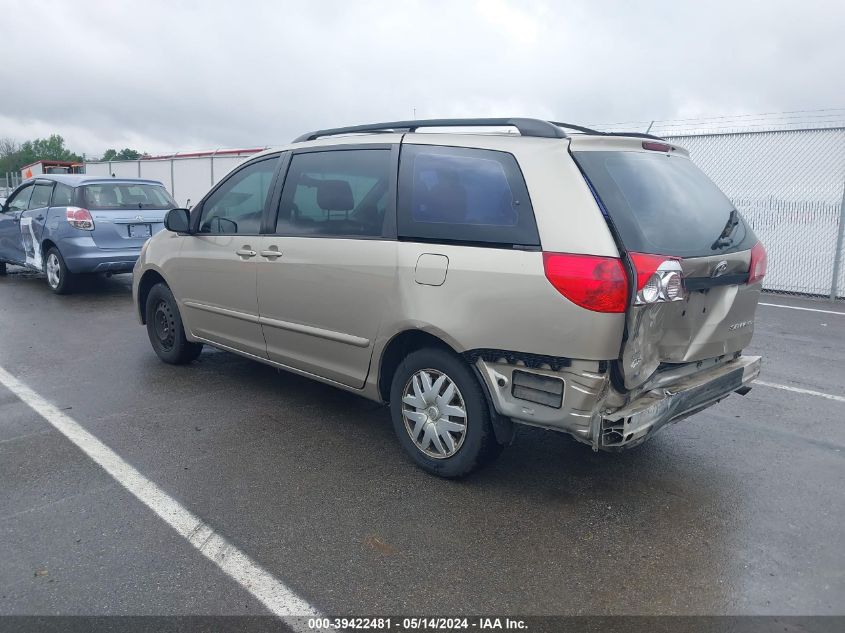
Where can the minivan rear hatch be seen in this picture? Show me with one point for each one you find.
(125, 213)
(668, 215)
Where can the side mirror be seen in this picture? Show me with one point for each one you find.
(178, 221)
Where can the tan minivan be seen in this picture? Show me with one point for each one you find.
(480, 273)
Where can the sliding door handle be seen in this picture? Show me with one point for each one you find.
(272, 253)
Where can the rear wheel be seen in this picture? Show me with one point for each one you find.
(440, 414)
(166, 330)
(59, 278)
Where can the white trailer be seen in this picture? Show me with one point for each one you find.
(187, 176)
(50, 167)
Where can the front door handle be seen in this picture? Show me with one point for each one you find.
(39, 217)
(245, 252)
(272, 253)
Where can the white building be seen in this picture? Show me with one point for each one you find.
(187, 176)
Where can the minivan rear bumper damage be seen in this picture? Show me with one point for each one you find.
(528, 396)
(634, 423)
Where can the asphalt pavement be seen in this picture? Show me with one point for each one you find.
(737, 510)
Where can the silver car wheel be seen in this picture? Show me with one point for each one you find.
(434, 413)
(54, 271)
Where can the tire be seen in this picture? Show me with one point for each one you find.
(166, 330)
(59, 278)
(471, 448)
(2, 269)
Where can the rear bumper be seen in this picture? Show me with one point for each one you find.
(82, 255)
(585, 408)
(634, 423)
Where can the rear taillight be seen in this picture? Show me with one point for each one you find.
(759, 263)
(659, 279)
(79, 218)
(592, 282)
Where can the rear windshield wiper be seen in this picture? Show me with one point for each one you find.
(725, 238)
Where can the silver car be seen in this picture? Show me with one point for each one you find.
(69, 225)
(595, 284)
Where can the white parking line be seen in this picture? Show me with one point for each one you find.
(270, 591)
(778, 305)
(808, 392)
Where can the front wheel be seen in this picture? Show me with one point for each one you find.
(440, 414)
(166, 330)
(59, 278)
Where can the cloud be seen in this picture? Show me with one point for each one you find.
(177, 75)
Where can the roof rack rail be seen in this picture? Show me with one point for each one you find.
(578, 128)
(526, 127)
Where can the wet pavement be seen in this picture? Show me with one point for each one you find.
(737, 510)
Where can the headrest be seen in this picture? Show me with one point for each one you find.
(335, 195)
(108, 196)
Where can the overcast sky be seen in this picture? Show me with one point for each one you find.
(178, 75)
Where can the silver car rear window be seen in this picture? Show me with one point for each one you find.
(126, 195)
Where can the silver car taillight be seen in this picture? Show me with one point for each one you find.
(79, 218)
(659, 280)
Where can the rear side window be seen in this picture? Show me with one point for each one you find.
(62, 195)
(41, 196)
(457, 194)
(124, 195)
(335, 192)
(664, 204)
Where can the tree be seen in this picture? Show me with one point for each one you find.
(124, 154)
(50, 148)
(13, 156)
(8, 155)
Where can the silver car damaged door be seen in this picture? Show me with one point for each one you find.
(11, 244)
(32, 223)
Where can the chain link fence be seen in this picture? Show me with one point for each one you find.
(8, 182)
(790, 186)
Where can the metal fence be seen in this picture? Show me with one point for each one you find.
(8, 182)
(790, 186)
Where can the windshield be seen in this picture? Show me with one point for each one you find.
(126, 195)
(664, 204)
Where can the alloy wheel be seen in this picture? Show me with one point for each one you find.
(54, 270)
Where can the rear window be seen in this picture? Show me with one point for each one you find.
(454, 194)
(664, 204)
(122, 195)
